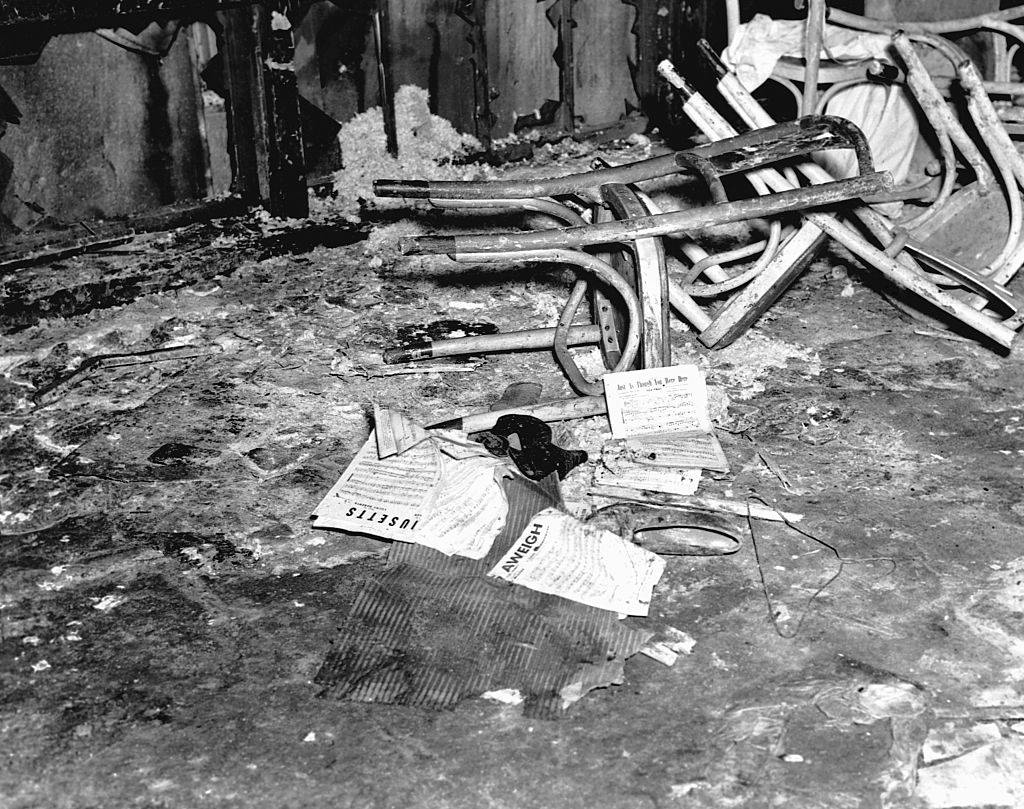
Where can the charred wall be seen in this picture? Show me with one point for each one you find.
(105, 132)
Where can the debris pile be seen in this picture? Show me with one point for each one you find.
(473, 504)
(427, 147)
(487, 561)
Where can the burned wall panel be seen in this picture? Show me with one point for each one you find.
(452, 66)
(105, 132)
(604, 48)
(522, 71)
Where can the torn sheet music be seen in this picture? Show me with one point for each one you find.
(677, 451)
(560, 555)
(659, 417)
(657, 400)
(422, 495)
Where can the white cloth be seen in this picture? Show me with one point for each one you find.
(886, 115)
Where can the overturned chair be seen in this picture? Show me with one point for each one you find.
(629, 288)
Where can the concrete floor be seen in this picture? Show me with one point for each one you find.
(162, 617)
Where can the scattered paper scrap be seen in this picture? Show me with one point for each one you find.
(988, 776)
(506, 696)
(423, 495)
(385, 497)
(652, 479)
(617, 468)
(395, 432)
(657, 400)
(108, 602)
(677, 450)
(668, 644)
(560, 555)
(659, 418)
(947, 740)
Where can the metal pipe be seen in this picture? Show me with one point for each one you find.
(576, 258)
(750, 110)
(649, 169)
(1005, 28)
(946, 156)
(697, 254)
(948, 162)
(771, 247)
(717, 259)
(833, 91)
(553, 209)
(754, 115)
(561, 344)
(800, 199)
(732, 19)
(489, 343)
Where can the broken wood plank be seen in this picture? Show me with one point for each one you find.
(743, 508)
(747, 305)
(451, 69)
(27, 251)
(286, 194)
(246, 134)
(520, 42)
(560, 14)
(598, 62)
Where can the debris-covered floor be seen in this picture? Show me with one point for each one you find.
(165, 604)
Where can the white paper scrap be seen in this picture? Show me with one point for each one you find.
(469, 511)
(649, 479)
(678, 451)
(421, 495)
(657, 400)
(395, 431)
(384, 497)
(560, 555)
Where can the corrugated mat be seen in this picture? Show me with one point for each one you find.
(432, 630)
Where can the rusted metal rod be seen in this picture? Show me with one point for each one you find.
(1008, 162)
(549, 207)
